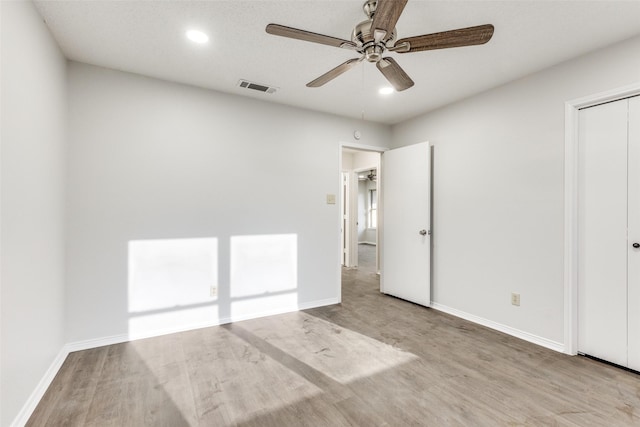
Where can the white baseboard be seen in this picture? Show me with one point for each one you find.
(96, 342)
(318, 303)
(117, 339)
(31, 403)
(300, 306)
(33, 400)
(544, 342)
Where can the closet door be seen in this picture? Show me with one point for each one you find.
(633, 260)
(602, 231)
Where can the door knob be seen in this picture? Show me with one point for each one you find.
(423, 232)
(636, 245)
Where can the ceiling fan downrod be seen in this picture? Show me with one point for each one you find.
(369, 8)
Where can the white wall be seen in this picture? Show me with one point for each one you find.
(32, 167)
(366, 159)
(347, 161)
(498, 190)
(155, 160)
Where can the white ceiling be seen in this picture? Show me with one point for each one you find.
(147, 37)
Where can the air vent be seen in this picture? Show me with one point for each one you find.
(255, 86)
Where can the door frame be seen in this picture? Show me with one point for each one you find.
(345, 211)
(360, 147)
(571, 166)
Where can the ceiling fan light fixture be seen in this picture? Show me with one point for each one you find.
(387, 90)
(197, 36)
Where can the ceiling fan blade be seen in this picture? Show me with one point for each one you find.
(396, 75)
(446, 39)
(332, 74)
(294, 33)
(385, 18)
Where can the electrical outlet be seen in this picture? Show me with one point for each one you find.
(515, 299)
(213, 291)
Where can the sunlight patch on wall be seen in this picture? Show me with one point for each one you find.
(264, 273)
(170, 283)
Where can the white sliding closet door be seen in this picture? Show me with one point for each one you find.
(609, 211)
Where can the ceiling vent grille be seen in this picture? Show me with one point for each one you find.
(256, 86)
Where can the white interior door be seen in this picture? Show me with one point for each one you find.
(406, 239)
(608, 228)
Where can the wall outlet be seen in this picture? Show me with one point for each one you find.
(515, 299)
(213, 291)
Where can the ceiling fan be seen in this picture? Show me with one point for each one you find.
(372, 37)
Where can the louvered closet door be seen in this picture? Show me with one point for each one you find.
(609, 212)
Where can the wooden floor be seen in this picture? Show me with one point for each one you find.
(371, 361)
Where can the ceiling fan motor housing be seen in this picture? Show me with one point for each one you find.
(363, 36)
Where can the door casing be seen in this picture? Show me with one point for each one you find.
(360, 147)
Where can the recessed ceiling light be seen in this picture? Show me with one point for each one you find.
(197, 36)
(385, 90)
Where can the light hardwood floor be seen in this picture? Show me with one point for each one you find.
(371, 361)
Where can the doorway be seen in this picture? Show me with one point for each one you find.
(401, 206)
(360, 231)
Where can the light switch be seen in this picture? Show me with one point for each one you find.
(331, 199)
